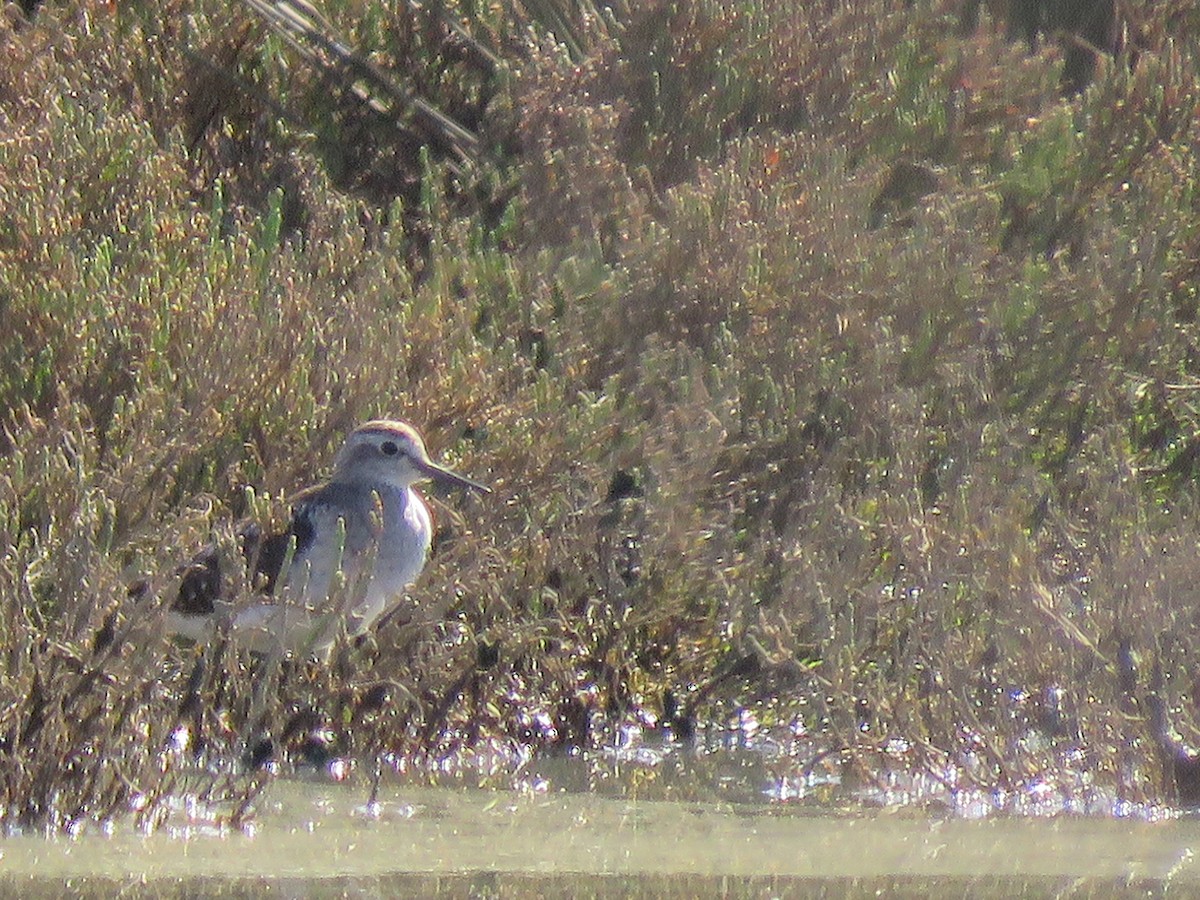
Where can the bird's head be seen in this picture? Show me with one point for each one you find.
(390, 452)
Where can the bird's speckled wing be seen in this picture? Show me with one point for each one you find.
(201, 586)
(267, 560)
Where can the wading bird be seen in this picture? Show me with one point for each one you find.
(353, 545)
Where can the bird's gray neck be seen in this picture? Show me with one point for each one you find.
(386, 511)
(387, 492)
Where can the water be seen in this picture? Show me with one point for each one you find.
(323, 839)
(753, 816)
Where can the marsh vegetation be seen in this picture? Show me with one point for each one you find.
(829, 366)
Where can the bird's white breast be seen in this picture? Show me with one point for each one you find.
(368, 544)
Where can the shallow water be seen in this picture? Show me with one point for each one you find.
(322, 839)
(741, 813)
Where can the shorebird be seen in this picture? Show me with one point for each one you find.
(353, 545)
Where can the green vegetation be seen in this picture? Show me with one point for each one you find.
(930, 480)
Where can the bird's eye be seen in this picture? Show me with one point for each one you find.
(389, 448)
